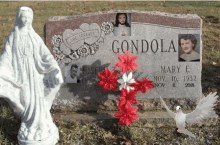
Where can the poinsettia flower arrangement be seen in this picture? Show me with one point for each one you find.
(128, 86)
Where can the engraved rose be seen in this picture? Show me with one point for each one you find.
(57, 39)
(73, 55)
(56, 50)
(93, 48)
(84, 50)
(58, 54)
(107, 27)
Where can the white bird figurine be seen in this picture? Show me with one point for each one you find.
(203, 110)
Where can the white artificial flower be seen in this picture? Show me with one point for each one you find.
(125, 81)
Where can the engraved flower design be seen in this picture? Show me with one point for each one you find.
(84, 50)
(107, 27)
(93, 48)
(56, 40)
(56, 50)
(73, 55)
(58, 54)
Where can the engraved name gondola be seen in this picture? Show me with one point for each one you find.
(142, 46)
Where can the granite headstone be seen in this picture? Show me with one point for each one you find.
(168, 49)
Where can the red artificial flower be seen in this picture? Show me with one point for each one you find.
(126, 62)
(127, 97)
(109, 79)
(127, 114)
(141, 86)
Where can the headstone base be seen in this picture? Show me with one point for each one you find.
(151, 119)
(111, 104)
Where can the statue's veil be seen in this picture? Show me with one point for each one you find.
(18, 21)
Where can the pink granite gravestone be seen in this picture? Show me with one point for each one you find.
(168, 49)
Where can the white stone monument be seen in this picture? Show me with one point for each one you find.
(29, 80)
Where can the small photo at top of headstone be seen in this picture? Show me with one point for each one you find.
(122, 25)
(189, 47)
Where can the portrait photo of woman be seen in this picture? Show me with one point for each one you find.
(189, 47)
(122, 25)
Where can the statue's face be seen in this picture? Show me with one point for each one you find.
(25, 18)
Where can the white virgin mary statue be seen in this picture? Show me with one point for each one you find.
(29, 80)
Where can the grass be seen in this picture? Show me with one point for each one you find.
(141, 132)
